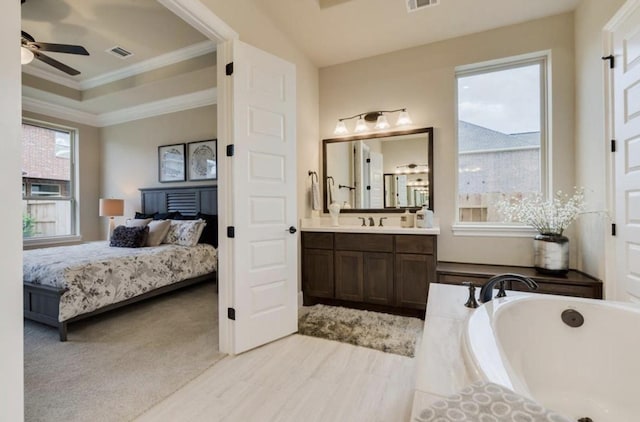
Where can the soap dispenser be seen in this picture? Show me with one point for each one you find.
(406, 219)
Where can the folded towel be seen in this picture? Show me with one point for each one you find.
(487, 401)
(331, 191)
(315, 194)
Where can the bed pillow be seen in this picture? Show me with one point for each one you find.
(129, 237)
(158, 230)
(180, 216)
(210, 231)
(137, 222)
(184, 232)
(140, 215)
(165, 215)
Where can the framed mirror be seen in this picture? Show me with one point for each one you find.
(379, 172)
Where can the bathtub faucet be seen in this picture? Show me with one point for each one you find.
(485, 291)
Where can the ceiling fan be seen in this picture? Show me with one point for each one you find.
(33, 49)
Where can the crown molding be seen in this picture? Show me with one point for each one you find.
(61, 112)
(51, 77)
(201, 18)
(155, 108)
(177, 56)
(170, 105)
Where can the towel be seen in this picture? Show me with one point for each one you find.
(331, 191)
(315, 194)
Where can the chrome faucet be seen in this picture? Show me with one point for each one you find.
(485, 291)
(371, 222)
(364, 224)
(381, 218)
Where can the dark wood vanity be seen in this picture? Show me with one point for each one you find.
(380, 272)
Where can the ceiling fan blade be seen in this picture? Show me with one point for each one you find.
(53, 62)
(59, 48)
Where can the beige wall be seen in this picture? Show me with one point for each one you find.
(130, 152)
(592, 147)
(423, 80)
(11, 336)
(89, 175)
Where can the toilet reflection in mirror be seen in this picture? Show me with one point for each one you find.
(379, 172)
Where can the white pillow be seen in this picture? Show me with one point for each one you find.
(184, 232)
(137, 222)
(158, 230)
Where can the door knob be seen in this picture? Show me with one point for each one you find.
(292, 230)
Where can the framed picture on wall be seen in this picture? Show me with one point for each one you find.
(171, 163)
(202, 160)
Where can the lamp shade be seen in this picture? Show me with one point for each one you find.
(111, 207)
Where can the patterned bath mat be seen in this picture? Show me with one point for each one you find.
(388, 333)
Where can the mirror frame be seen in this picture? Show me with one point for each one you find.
(326, 142)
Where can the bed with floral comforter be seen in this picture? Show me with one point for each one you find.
(95, 275)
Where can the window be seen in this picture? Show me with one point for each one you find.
(501, 135)
(47, 181)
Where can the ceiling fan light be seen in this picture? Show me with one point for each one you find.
(404, 119)
(26, 55)
(382, 122)
(361, 125)
(341, 128)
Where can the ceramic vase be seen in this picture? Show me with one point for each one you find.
(551, 254)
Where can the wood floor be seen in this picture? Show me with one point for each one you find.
(298, 378)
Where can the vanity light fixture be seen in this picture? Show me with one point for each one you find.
(373, 116)
(26, 55)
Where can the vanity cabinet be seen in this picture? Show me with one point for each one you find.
(382, 272)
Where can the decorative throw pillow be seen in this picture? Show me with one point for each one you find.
(210, 231)
(184, 232)
(137, 222)
(157, 232)
(129, 237)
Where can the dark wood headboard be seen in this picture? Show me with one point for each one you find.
(188, 200)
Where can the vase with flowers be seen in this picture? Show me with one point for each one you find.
(550, 217)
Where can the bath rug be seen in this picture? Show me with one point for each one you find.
(485, 401)
(384, 332)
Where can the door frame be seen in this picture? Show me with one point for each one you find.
(614, 288)
(209, 24)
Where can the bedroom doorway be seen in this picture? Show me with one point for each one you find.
(258, 254)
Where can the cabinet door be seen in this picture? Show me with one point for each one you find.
(378, 278)
(349, 275)
(413, 274)
(317, 272)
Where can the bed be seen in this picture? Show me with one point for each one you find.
(70, 283)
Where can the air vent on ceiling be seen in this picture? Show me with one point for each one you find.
(413, 5)
(119, 52)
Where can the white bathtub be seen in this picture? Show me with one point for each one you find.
(591, 371)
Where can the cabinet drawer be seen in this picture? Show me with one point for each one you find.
(364, 242)
(317, 240)
(418, 243)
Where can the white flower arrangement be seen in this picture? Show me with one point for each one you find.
(548, 217)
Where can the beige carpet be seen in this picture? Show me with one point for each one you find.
(117, 365)
(385, 332)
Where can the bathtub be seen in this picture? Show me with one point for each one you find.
(590, 371)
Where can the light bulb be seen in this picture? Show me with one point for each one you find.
(361, 125)
(26, 55)
(382, 122)
(341, 128)
(404, 119)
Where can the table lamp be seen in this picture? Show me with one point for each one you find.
(111, 208)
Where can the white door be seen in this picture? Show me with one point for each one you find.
(264, 270)
(376, 180)
(626, 91)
